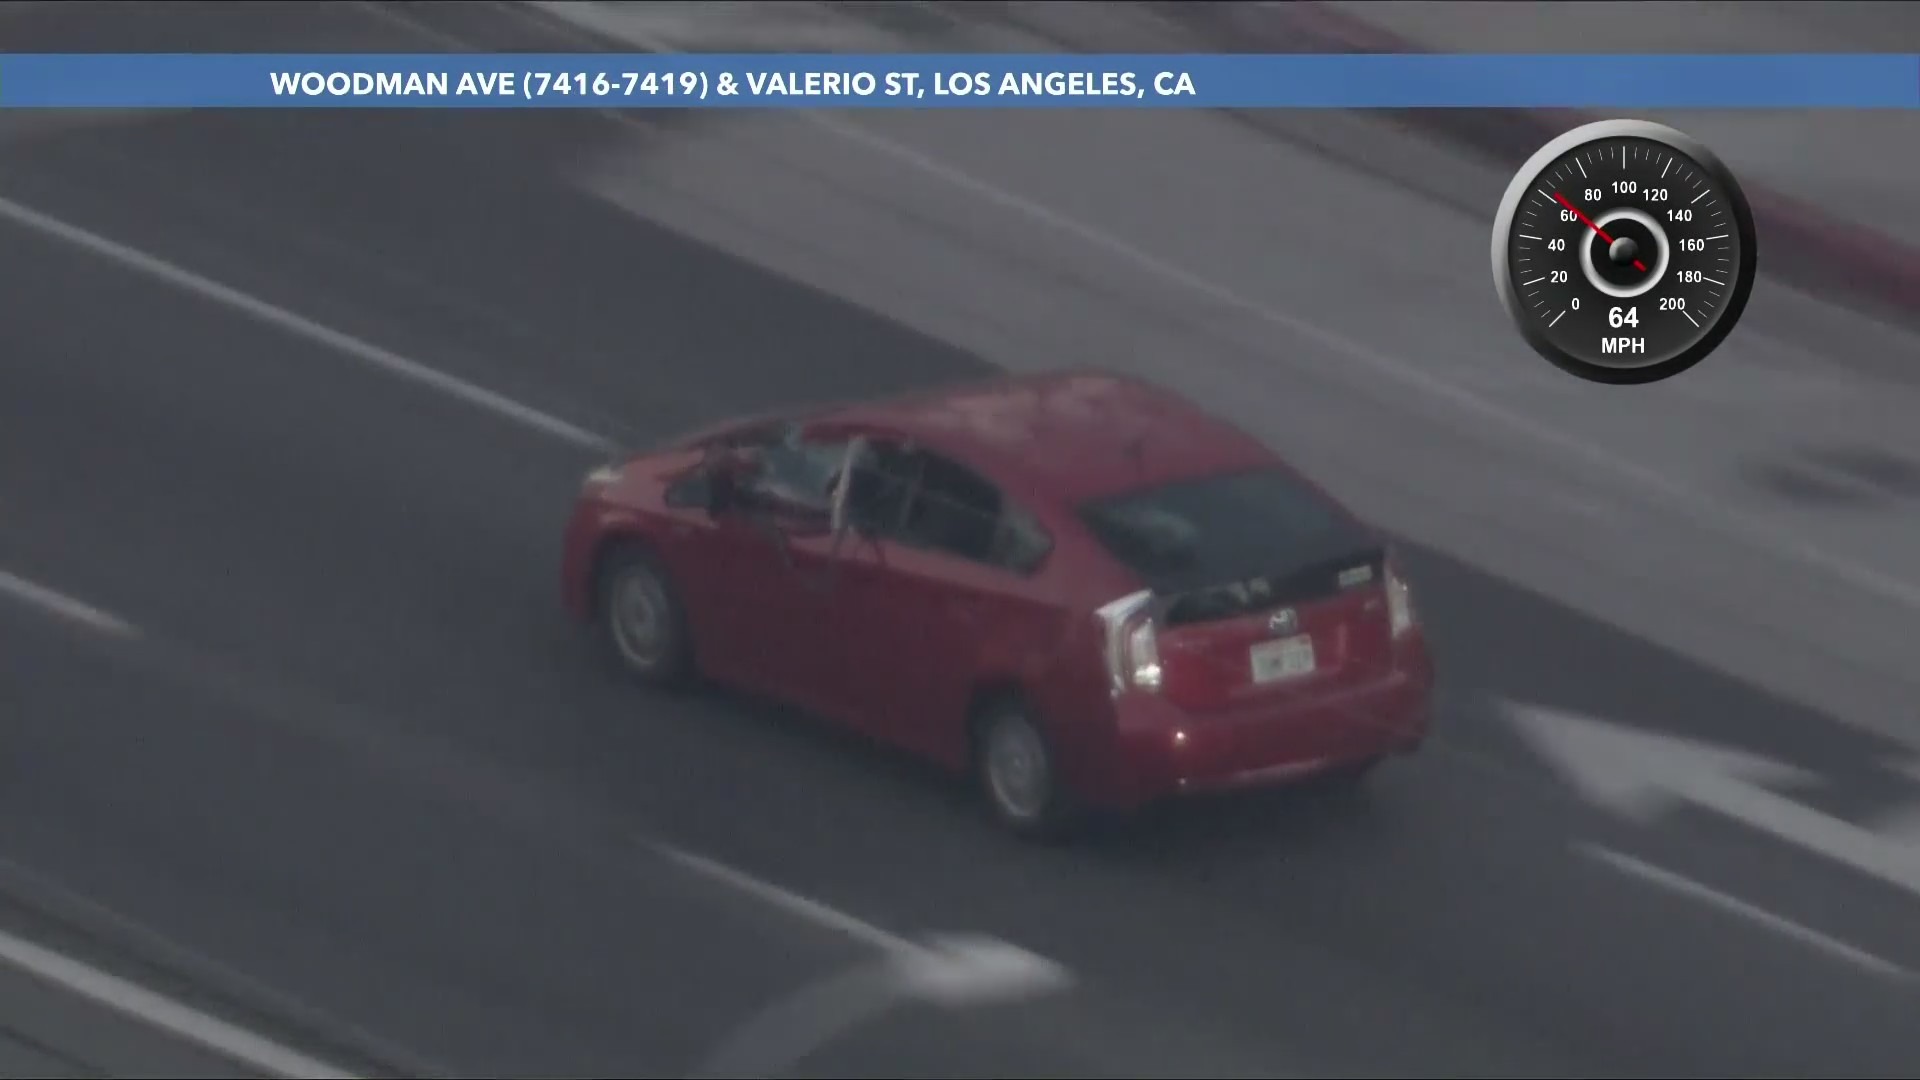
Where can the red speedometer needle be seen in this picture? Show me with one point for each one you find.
(1588, 222)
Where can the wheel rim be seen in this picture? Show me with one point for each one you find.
(1017, 769)
(637, 612)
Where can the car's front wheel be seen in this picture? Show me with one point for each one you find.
(641, 621)
(1015, 767)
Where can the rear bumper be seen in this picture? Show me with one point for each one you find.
(1165, 751)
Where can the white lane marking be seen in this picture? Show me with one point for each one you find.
(952, 972)
(301, 326)
(37, 889)
(1779, 924)
(65, 607)
(227, 1040)
(793, 903)
(959, 971)
(1680, 498)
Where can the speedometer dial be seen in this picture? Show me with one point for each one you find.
(1624, 251)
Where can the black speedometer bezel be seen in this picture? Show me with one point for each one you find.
(1678, 142)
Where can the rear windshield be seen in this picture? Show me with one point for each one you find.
(1193, 534)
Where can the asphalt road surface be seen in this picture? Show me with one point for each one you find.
(83, 993)
(287, 686)
(50, 1034)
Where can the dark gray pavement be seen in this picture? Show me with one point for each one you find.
(354, 752)
(51, 1034)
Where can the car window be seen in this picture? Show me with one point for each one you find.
(1222, 528)
(799, 471)
(1020, 542)
(884, 475)
(955, 510)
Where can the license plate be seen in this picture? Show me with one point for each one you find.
(1287, 658)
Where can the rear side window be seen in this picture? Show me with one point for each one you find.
(883, 480)
(1215, 530)
(953, 510)
(932, 502)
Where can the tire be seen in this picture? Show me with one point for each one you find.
(1019, 782)
(640, 621)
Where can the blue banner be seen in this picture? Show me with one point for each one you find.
(918, 81)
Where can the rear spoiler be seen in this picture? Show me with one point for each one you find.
(1301, 583)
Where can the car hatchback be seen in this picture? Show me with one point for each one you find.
(1082, 589)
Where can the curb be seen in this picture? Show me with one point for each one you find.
(1813, 250)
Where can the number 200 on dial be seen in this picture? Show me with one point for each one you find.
(1624, 251)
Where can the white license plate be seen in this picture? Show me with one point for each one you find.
(1287, 658)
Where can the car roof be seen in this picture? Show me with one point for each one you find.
(1070, 436)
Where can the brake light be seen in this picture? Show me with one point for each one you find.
(1132, 646)
(1400, 605)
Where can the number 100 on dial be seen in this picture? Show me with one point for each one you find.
(1624, 251)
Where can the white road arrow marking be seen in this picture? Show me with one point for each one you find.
(951, 972)
(962, 971)
(1642, 774)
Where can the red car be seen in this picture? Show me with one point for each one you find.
(1081, 588)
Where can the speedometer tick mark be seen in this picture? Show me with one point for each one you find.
(1583, 168)
(1696, 325)
(1556, 319)
(1535, 281)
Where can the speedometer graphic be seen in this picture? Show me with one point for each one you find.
(1624, 250)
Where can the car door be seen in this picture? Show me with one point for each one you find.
(942, 596)
(784, 619)
(881, 474)
(736, 566)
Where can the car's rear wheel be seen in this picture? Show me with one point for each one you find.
(641, 621)
(1015, 767)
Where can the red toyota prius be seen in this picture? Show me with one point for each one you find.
(1081, 588)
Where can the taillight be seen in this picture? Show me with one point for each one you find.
(1400, 605)
(1132, 646)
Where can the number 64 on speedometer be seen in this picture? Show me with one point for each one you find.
(1624, 251)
